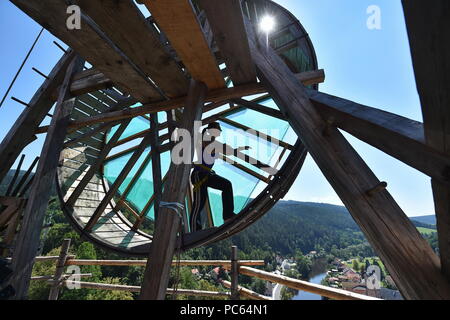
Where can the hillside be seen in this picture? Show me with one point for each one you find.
(430, 220)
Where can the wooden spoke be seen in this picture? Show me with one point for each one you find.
(16, 175)
(95, 168)
(259, 108)
(256, 133)
(117, 183)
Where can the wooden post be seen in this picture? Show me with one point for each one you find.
(29, 234)
(234, 274)
(54, 291)
(428, 26)
(168, 225)
(410, 260)
(156, 163)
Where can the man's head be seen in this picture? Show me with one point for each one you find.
(214, 129)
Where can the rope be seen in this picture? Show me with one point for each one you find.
(178, 208)
(21, 67)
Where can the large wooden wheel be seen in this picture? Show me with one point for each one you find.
(111, 176)
(206, 60)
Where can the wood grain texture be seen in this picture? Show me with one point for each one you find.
(179, 22)
(402, 138)
(23, 131)
(227, 24)
(168, 224)
(428, 25)
(126, 26)
(52, 14)
(410, 260)
(33, 216)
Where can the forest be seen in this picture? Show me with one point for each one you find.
(289, 230)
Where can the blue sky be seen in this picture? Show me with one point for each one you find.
(372, 67)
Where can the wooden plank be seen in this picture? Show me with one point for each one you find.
(214, 96)
(402, 138)
(143, 263)
(89, 81)
(309, 78)
(92, 45)
(227, 24)
(117, 287)
(124, 24)
(247, 293)
(22, 132)
(412, 263)
(337, 294)
(29, 235)
(179, 22)
(428, 27)
(168, 224)
(118, 182)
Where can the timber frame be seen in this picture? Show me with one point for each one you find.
(177, 71)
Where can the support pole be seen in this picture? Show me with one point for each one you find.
(234, 274)
(54, 291)
(44, 179)
(168, 225)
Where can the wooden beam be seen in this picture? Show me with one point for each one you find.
(156, 163)
(428, 27)
(16, 175)
(256, 133)
(179, 22)
(95, 168)
(89, 81)
(117, 183)
(337, 294)
(126, 26)
(402, 138)
(33, 217)
(309, 78)
(227, 24)
(214, 96)
(93, 45)
(168, 224)
(143, 263)
(118, 287)
(259, 108)
(22, 132)
(247, 293)
(412, 263)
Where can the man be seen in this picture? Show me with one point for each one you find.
(203, 177)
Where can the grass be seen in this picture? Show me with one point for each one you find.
(426, 230)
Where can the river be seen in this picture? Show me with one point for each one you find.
(319, 272)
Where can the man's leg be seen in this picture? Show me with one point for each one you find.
(199, 200)
(224, 185)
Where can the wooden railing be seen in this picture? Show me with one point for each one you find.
(236, 266)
